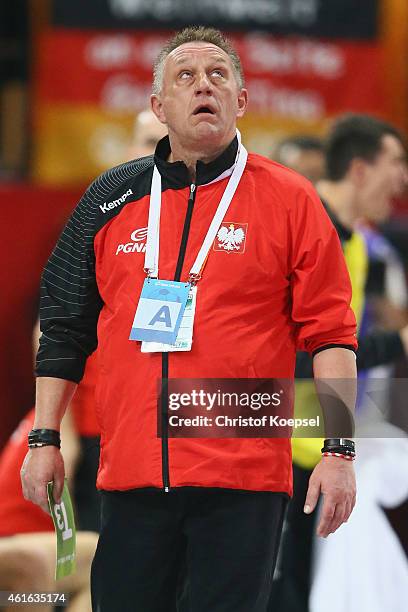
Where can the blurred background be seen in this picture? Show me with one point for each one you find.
(75, 74)
(74, 78)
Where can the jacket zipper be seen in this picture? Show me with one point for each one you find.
(165, 356)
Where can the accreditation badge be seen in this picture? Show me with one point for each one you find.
(184, 338)
(64, 523)
(159, 311)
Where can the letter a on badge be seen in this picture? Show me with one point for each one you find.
(162, 316)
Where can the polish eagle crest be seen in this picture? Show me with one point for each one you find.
(230, 238)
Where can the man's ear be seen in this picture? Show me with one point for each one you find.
(242, 102)
(157, 108)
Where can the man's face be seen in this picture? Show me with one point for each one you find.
(200, 99)
(384, 179)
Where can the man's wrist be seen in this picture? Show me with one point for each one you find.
(339, 447)
(37, 438)
(340, 456)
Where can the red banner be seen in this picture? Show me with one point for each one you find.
(288, 76)
(91, 85)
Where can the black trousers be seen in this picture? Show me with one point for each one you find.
(190, 550)
(291, 587)
(86, 496)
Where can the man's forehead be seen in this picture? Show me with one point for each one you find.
(187, 50)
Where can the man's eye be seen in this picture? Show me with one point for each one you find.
(185, 74)
(217, 73)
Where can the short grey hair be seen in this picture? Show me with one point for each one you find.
(196, 34)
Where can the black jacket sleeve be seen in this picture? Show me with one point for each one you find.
(70, 301)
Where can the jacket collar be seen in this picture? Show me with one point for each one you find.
(175, 174)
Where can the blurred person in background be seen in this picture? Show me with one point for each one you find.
(198, 93)
(304, 154)
(386, 287)
(366, 169)
(365, 157)
(27, 536)
(147, 131)
(386, 293)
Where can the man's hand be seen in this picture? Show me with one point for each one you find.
(334, 478)
(41, 465)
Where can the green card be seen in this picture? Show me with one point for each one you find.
(63, 518)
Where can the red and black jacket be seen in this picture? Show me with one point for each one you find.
(285, 287)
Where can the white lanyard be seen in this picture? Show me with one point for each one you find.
(151, 265)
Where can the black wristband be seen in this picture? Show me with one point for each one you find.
(338, 445)
(44, 437)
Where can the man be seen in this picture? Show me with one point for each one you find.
(209, 510)
(366, 167)
(304, 154)
(386, 288)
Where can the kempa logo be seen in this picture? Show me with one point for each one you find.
(109, 205)
(137, 236)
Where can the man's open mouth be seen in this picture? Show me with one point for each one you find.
(203, 109)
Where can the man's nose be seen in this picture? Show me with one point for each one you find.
(203, 84)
